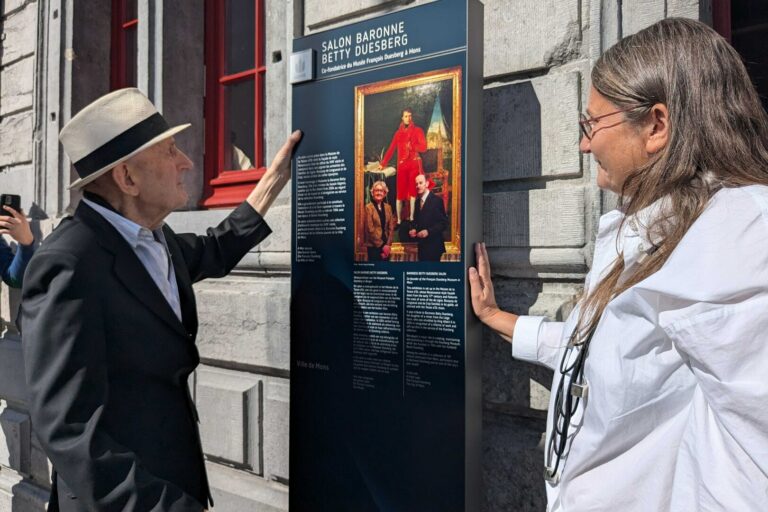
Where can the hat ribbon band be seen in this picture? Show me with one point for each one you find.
(122, 145)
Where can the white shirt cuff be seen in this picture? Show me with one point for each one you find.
(525, 338)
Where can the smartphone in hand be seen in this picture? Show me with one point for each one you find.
(12, 200)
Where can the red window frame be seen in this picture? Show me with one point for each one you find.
(120, 62)
(225, 187)
(721, 18)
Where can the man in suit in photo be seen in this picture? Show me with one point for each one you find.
(430, 220)
(109, 317)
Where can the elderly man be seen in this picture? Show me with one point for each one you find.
(109, 317)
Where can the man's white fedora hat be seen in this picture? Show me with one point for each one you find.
(110, 130)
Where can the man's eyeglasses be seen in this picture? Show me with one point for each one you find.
(586, 123)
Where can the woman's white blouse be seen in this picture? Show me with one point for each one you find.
(677, 413)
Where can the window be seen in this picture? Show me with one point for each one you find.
(744, 23)
(234, 100)
(124, 44)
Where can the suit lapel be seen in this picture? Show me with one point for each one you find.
(375, 216)
(128, 268)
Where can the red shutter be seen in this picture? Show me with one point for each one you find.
(124, 44)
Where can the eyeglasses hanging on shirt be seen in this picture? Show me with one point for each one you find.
(571, 390)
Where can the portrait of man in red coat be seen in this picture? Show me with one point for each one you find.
(410, 142)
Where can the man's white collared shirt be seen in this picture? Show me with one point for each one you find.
(677, 413)
(151, 249)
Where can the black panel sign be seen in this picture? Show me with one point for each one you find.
(387, 200)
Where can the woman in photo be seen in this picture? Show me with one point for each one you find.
(379, 224)
(659, 391)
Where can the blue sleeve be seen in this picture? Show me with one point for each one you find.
(13, 266)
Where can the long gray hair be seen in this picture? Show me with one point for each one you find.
(718, 135)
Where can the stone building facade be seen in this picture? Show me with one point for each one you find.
(540, 208)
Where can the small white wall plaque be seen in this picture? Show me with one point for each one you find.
(303, 66)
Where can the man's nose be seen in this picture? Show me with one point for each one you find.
(184, 163)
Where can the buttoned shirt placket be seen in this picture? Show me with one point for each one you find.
(152, 244)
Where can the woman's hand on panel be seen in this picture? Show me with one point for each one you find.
(484, 299)
(481, 285)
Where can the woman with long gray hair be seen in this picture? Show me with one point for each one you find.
(661, 371)
(380, 223)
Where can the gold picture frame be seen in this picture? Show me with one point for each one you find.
(451, 178)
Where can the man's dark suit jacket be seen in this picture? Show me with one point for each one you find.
(107, 363)
(433, 218)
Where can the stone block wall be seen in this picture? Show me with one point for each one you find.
(24, 470)
(17, 61)
(242, 388)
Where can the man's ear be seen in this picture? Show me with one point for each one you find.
(122, 176)
(658, 135)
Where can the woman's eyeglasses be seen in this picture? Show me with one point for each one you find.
(586, 123)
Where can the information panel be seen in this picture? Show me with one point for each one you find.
(387, 203)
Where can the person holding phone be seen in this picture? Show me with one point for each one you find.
(14, 224)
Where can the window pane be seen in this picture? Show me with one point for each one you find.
(262, 59)
(131, 52)
(260, 122)
(238, 126)
(239, 34)
(131, 12)
(749, 33)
